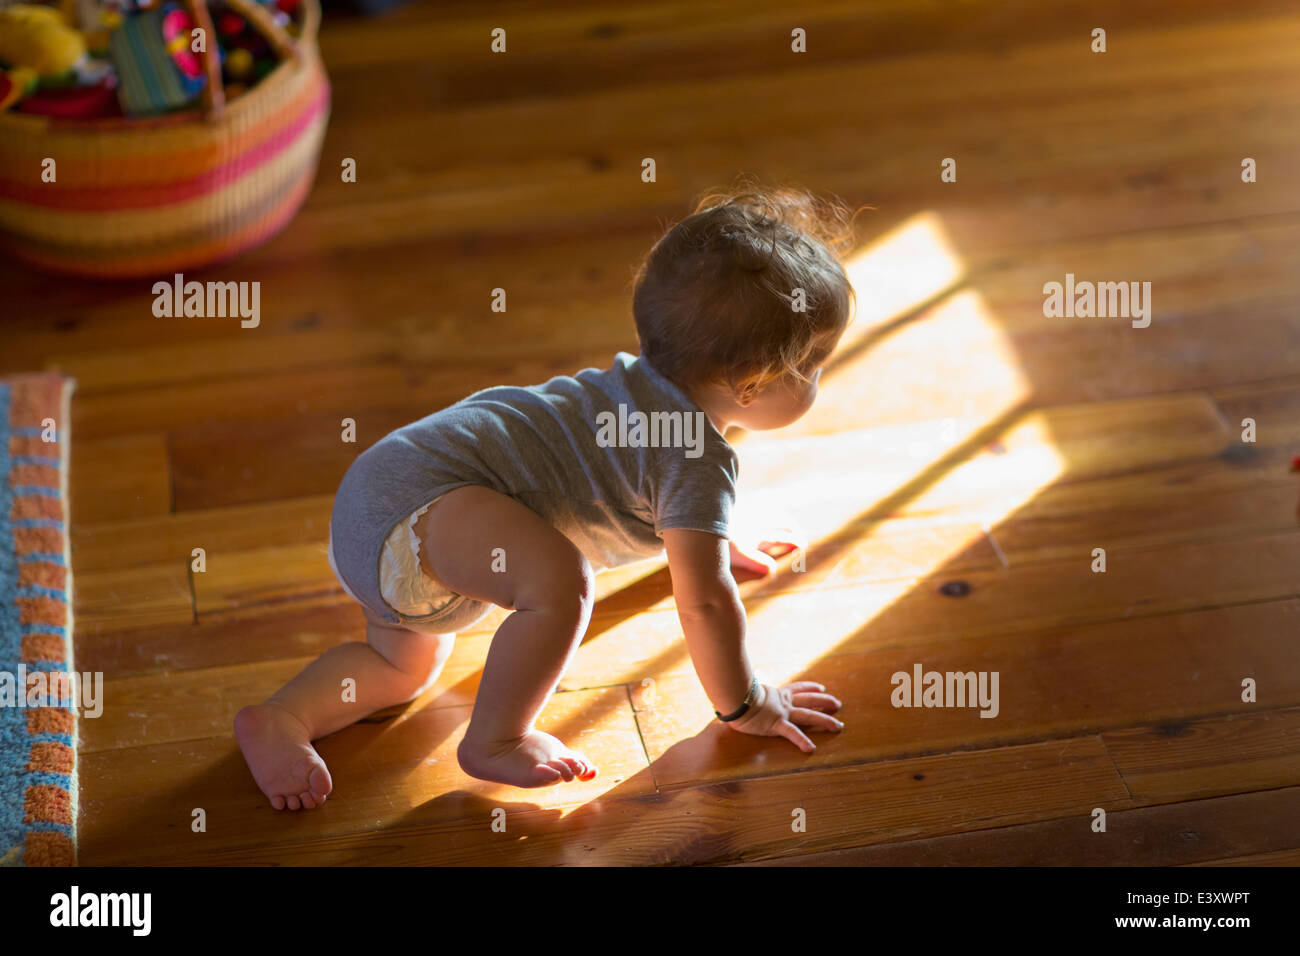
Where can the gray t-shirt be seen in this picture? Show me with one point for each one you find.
(610, 458)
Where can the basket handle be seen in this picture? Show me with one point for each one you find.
(214, 94)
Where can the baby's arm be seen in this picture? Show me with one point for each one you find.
(713, 621)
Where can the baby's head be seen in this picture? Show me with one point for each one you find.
(742, 302)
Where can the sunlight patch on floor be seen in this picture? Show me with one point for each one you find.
(908, 265)
(940, 382)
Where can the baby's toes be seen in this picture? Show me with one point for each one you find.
(319, 783)
(544, 775)
(307, 802)
(576, 764)
(294, 803)
(563, 766)
(583, 767)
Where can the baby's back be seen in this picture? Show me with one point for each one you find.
(608, 457)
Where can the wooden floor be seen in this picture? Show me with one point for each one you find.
(962, 437)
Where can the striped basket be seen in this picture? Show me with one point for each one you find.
(153, 196)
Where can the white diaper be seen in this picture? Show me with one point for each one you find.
(402, 582)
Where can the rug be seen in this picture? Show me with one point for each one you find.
(38, 722)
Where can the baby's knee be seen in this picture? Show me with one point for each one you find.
(413, 678)
(416, 658)
(572, 592)
(564, 584)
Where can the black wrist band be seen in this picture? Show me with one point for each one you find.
(749, 699)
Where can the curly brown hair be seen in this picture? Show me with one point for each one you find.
(715, 298)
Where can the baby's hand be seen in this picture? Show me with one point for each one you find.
(758, 559)
(778, 710)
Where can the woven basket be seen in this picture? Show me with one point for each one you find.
(153, 196)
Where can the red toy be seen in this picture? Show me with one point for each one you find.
(78, 102)
(1295, 466)
(230, 25)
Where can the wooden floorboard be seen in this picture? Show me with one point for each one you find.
(630, 824)
(1197, 832)
(966, 457)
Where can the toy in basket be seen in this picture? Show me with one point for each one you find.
(144, 137)
(156, 68)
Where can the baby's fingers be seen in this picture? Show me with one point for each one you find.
(803, 685)
(815, 719)
(796, 736)
(817, 702)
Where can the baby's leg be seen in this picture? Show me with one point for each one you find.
(395, 665)
(549, 585)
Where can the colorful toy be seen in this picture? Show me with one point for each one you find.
(138, 51)
(155, 73)
(247, 55)
(239, 63)
(78, 102)
(176, 27)
(230, 25)
(38, 38)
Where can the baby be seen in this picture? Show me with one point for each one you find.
(513, 497)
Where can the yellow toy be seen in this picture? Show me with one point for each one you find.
(39, 39)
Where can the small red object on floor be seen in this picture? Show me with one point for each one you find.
(1295, 466)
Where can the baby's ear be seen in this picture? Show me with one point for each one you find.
(747, 389)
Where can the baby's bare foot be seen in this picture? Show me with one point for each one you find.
(280, 755)
(534, 760)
